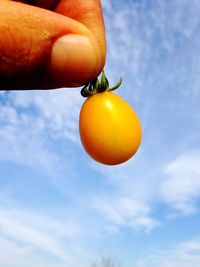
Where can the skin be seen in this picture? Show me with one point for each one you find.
(50, 44)
(109, 128)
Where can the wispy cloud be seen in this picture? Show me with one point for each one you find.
(20, 141)
(126, 212)
(55, 112)
(181, 188)
(134, 194)
(186, 254)
(30, 121)
(23, 234)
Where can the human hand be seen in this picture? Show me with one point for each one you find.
(50, 44)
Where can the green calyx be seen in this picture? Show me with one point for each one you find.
(99, 86)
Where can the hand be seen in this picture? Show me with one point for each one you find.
(50, 44)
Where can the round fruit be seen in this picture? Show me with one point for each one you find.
(110, 130)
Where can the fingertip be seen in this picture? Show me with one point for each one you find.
(74, 60)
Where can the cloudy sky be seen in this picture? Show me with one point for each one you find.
(58, 207)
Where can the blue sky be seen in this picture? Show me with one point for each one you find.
(60, 208)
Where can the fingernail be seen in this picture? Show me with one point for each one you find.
(73, 59)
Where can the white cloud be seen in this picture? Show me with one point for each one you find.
(186, 254)
(15, 255)
(32, 236)
(30, 120)
(127, 51)
(125, 212)
(181, 187)
(129, 200)
(150, 46)
(134, 193)
(56, 111)
(21, 141)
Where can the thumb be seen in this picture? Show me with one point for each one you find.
(43, 49)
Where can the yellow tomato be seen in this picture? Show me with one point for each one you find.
(110, 130)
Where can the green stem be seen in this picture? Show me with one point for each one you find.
(99, 86)
(116, 86)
